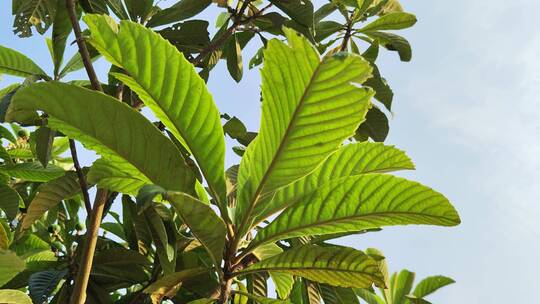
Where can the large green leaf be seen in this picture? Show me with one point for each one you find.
(203, 222)
(9, 296)
(360, 202)
(34, 172)
(114, 130)
(171, 88)
(169, 284)
(391, 21)
(352, 159)
(42, 284)
(431, 284)
(9, 201)
(17, 64)
(10, 266)
(338, 266)
(309, 108)
(49, 195)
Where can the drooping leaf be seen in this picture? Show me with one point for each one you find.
(360, 202)
(350, 160)
(300, 11)
(240, 294)
(9, 296)
(183, 9)
(76, 63)
(32, 13)
(34, 172)
(391, 21)
(49, 195)
(44, 144)
(42, 284)
(339, 266)
(309, 108)
(234, 58)
(393, 42)
(165, 246)
(5, 133)
(169, 285)
(431, 284)
(17, 64)
(375, 127)
(10, 266)
(113, 131)
(203, 222)
(180, 100)
(338, 295)
(9, 201)
(61, 29)
(139, 9)
(383, 92)
(369, 297)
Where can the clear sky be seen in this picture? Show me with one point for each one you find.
(466, 111)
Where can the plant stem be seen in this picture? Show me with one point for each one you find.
(83, 272)
(83, 50)
(347, 37)
(80, 175)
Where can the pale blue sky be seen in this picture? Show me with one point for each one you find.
(465, 110)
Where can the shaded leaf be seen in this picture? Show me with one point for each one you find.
(376, 126)
(10, 266)
(32, 13)
(34, 172)
(17, 64)
(169, 284)
(9, 201)
(183, 9)
(42, 284)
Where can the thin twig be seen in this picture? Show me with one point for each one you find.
(218, 42)
(81, 176)
(347, 37)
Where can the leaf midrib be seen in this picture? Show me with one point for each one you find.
(255, 198)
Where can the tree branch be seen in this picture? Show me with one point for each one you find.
(218, 42)
(80, 175)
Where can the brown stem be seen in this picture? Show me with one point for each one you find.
(81, 176)
(347, 37)
(85, 266)
(225, 291)
(83, 50)
(215, 44)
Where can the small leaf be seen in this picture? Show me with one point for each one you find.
(61, 29)
(431, 284)
(339, 266)
(300, 11)
(183, 9)
(32, 13)
(234, 58)
(9, 296)
(391, 21)
(383, 92)
(44, 144)
(393, 42)
(376, 126)
(401, 286)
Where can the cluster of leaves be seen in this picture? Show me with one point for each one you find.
(189, 230)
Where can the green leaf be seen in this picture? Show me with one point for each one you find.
(5, 133)
(383, 92)
(203, 301)
(50, 195)
(4, 236)
(369, 296)
(338, 266)
(117, 175)
(34, 172)
(234, 58)
(169, 284)
(309, 108)
(115, 131)
(76, 63)
(139, 9)
(431, 284)
(324, 11)
(393, 43)
(203, 222)
(165, 247)
(42, 284)
(44, 144)
(325, 29)
(180, 99)
(391, 21)
(10, 266)
(240, 294)
(37, 13)
(9, 296)
(401, 286)
(183, 9)
(243, 296)
(17, 64)
(360, 202)
(300, 11)
(350, 160)
(4, 155)
(338, 295)
(376, 126)
(9, 202)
